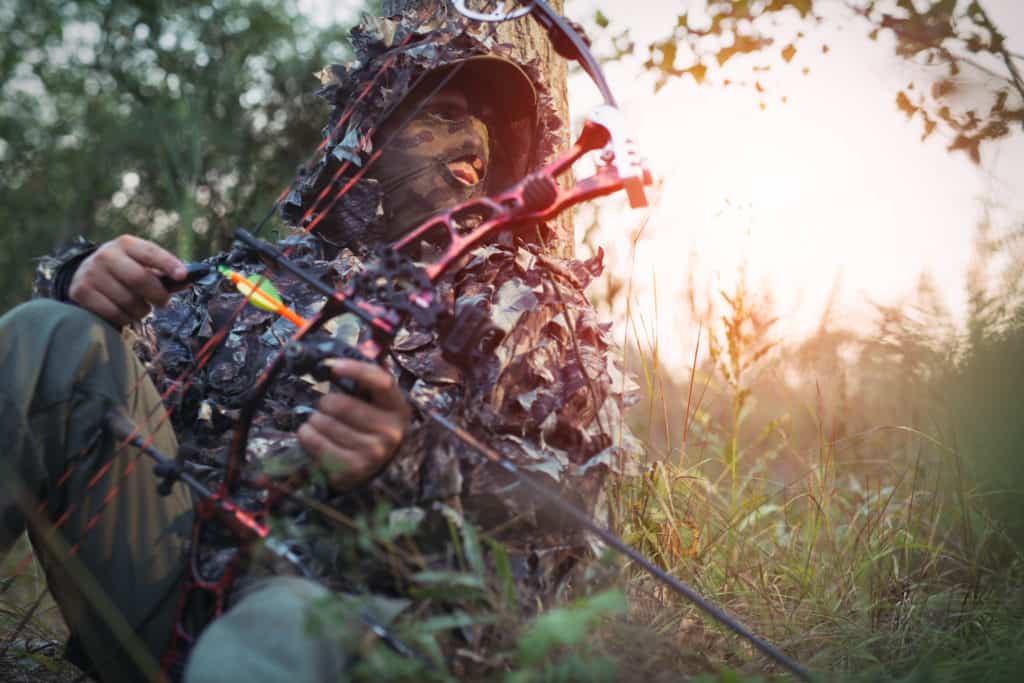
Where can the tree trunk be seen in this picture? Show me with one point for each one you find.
(530, 41)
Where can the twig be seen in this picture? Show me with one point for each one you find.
(1003, 52)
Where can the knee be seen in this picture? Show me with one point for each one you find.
(50, 330)
(48, 347)
(40, 316)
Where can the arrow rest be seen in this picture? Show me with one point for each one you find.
(308, 357)
(392, 280)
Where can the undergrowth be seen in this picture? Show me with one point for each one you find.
(838, 497)
(852, 498)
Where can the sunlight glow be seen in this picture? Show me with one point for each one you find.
(815, 184)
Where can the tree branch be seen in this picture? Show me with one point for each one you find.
(984, 69)
(1004, 53)
(1014, 77)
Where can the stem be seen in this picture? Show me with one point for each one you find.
(1015, 77)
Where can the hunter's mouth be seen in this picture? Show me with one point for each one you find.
(467, 169)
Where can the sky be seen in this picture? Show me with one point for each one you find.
(831, 190)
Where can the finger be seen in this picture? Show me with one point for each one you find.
(342, 466)
(135, 277)
(153, 256)
(95, 301)
(343, 435)
(87, 290)
(124, 298)
(375, 379)
(364, 417)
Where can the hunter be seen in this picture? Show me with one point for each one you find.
(105, 332)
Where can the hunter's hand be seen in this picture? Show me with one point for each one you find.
(120, 281)
(350, 438)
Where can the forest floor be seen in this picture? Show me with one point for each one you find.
(32, 630)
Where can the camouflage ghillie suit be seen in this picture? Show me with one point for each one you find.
(552, 412)
(548, 393)
(527, 134)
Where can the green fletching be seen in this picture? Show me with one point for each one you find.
(266, 297)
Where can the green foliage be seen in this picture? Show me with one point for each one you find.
(735, 353)
(471, 613)
(172, 120)
(984, 388)
(566, 626)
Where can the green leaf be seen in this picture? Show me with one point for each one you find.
(503, 568)
(566, 626)
(471, 550)
(446, 622)
(444, 584)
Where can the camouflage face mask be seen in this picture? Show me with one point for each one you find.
(436, 162)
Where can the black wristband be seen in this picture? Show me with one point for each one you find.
(66, 272)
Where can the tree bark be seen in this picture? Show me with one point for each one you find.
(529, 41)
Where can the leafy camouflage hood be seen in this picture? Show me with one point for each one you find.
(392, 54)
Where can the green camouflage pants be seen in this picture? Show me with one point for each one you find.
(115, 573)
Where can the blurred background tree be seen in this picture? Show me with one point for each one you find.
(170, 119)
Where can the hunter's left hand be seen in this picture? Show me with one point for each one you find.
(351, 438)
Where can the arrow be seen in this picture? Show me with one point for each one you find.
(263, 296)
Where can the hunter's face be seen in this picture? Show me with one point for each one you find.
(439, 158)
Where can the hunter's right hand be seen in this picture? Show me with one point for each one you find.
(120, 281)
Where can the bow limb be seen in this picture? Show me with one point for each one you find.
(564, 35)
(538, 197)
(568, 42)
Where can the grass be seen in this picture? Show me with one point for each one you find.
(837, 513)
(32, 631)
(852, 499)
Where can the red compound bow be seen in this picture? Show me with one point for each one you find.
(397, 286)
